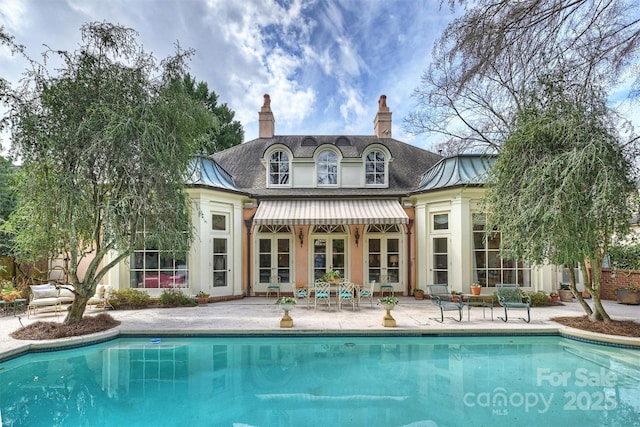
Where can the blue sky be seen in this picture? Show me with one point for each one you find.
(324, 63)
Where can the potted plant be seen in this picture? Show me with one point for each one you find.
(565, 293)
(476, 288)
(202, 297)
(332, 277)
(418, 293)
(9, 293)
(628, 295)
(287, 304)
(554, 296)
(389, 303)
(456, 296)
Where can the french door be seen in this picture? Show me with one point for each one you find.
(329, 254)
(274, 259)
(383, 260)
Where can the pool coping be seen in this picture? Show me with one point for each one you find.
(86, 340)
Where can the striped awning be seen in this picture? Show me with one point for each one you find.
(330, 212)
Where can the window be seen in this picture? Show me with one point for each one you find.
(218, 222)
(375, 168)
(152, 268)
(489, 268)
(279, 168)
(327, 167)
(441, 221)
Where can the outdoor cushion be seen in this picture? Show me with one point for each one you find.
(44, 291)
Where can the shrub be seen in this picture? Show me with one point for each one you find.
(626, 257)
(538, 299)
(129, 298)
(175, 298)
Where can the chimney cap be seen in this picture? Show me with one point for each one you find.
(267, 100)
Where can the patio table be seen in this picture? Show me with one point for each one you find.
(484, 301)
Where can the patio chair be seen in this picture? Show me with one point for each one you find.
(322, 293)
(274, 286)
(386, 286)
(441, 297)
(510, 296)
(346, 293)
(364, 293)
(302, 292)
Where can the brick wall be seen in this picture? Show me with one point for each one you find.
(622, 278)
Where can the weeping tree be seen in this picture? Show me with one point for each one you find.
(560, 190)
(485, 59)
(105, 136)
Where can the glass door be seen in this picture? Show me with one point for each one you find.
(329, 254)
(274, 259)
(384, 260)
(440, 260)
(220, 268)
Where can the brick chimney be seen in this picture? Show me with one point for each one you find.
(266, 127)
(382, 122)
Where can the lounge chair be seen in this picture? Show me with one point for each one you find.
(510, 296)
(441, 297)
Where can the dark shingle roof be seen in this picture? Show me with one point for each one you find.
(244, 163)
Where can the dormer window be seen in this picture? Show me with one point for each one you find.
(279, 168)
(327, 168)
(375, 168)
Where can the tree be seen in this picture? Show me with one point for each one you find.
(560, 189)
(484, 63)
(105, 139)
(7, 203)
(228, 132)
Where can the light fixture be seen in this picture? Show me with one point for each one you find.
(394, 260)
(357, 236)
(300, 236)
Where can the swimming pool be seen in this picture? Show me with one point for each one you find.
(324, 381)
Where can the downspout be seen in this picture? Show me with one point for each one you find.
(409, 263)
(248, 223)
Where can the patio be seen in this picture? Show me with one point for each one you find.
(257, 315)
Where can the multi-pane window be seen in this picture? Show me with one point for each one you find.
(375, 168)
(151, 268)
(327, 167)
(489, 268)
(279, 168)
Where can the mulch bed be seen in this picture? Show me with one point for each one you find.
(625, 328)
(54, 330)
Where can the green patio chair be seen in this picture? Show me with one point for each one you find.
(510, 296)
(441, 297)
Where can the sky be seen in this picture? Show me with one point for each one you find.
(324, 63)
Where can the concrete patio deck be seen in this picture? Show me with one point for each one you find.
(260, 316)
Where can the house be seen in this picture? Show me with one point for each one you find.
(292, 207)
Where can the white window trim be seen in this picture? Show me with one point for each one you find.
(267, 162)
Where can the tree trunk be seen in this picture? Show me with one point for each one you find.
(76, 311)
(574, 290)
(599, 313)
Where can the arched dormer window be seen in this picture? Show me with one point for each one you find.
(279, 168)
(327, 168)
(375, 168)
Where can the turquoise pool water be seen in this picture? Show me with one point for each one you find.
(325, 381)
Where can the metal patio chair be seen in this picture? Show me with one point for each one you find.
(510, 296)
(441, 297)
